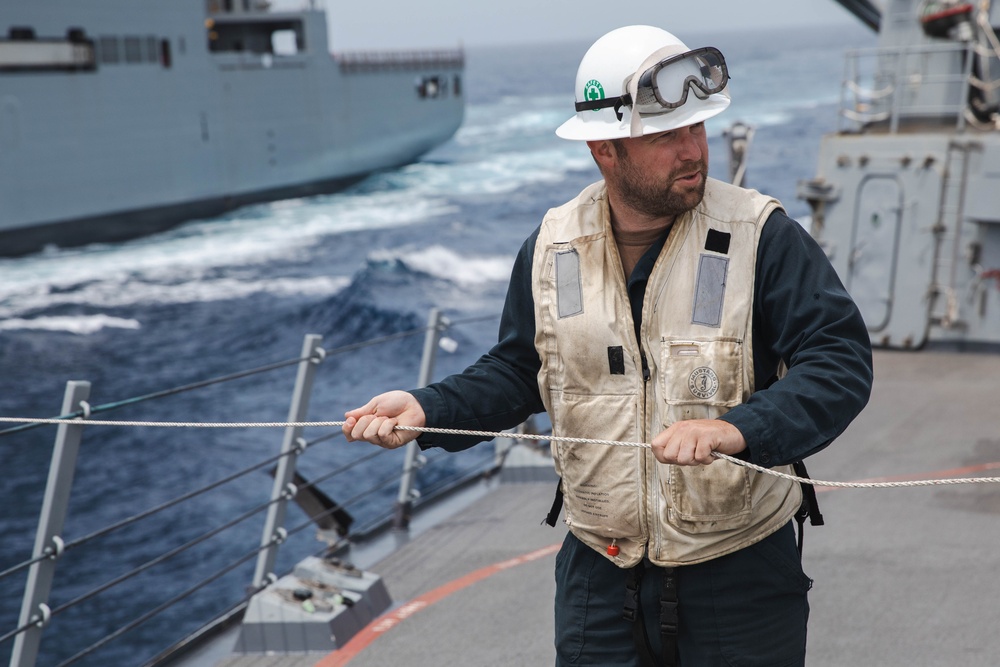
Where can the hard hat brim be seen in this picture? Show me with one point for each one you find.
(579, 129)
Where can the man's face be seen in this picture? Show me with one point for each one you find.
(661, 175)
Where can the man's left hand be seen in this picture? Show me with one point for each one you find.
(691, 442)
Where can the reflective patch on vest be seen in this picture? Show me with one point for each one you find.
(569, 288)
(710, 290)
(616, 360)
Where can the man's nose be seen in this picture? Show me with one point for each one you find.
(689, 145)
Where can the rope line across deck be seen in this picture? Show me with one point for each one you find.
(486, 435)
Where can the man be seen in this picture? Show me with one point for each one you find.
(658, 306)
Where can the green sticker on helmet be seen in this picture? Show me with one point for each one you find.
(593, 91)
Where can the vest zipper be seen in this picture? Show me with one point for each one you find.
(648, 507)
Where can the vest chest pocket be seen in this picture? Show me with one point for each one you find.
(706, 372)
(702, 379)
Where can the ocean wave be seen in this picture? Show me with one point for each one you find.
(510, 120)
(443, 263)
(501, 172)
(74, 324)
(769, 113)
(179, 266)
(285, 229)
(129, 291)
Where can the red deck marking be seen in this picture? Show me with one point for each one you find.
(391, 619)
(940, 474)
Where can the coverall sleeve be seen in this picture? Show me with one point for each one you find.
(803, 316)
(500, 390)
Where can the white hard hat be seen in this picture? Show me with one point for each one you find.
(655, 68)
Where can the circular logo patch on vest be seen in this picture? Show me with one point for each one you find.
(593, 91)
(703, 383)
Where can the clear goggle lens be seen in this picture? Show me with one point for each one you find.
(665, 85)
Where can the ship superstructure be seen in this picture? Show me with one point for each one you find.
(122, 117)
(906, 198)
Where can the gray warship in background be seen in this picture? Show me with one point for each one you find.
(124, 117)
(907, 196)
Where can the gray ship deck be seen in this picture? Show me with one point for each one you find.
(903, 576)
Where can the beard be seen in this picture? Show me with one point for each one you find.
(657, 198)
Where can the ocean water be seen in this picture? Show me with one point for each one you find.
(239, 291)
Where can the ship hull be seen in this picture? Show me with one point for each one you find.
(129, 225)
(174, 113)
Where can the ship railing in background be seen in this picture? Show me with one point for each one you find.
(895, 86)
(333, 518)
(372, 61)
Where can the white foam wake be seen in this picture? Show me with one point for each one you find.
(444, 263)
(125, 291)
(75, 324)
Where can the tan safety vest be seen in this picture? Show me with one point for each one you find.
(696, 338)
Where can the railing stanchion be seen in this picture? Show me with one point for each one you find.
(283, 489)
(48, 542)
(970, 57)
(404, 503)
(899, 77)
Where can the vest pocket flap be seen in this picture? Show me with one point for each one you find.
(704, 372)
(706, 499)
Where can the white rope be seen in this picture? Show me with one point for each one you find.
(515, 436)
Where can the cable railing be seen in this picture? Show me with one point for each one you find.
(87, 410)
(158, 609)
(916, 84)
(40, 608)
(135, 518)
(161, 558)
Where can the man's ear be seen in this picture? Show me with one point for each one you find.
(604, 153)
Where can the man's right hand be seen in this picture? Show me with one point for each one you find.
(375, 422)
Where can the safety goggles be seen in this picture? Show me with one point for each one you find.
(665, 85)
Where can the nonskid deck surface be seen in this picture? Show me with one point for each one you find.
(504, 618)
(909, 576)
(465, 595)
(902, 576)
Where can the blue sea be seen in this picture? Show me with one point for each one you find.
(217, 296)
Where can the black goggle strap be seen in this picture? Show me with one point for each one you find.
(616, 102)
